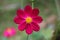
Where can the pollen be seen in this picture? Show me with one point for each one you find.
(9, 30)
(28, 20)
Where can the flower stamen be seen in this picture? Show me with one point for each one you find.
(28, 20)
(9, 30)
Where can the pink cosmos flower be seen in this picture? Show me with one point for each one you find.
(8, 32)
(28, 19)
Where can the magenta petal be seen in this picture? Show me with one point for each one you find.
(10, 33)
(35, 12)
(35, 26)
(18, 20)
(22, 26)
(38, 19)
(6, 34)
(20, 13)
(13, 31)
(28, 9)
(29, 29)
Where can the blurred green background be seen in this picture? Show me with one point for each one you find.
(49, 10)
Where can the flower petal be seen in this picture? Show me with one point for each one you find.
(28, 9)
(35, 26)
(13, 31)
(22, 26)
(29, 29)
(5, 34)
(20, 13)
(18, 20)
(35, 12)
(38, 19)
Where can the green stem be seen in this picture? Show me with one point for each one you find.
(32, 3)
(58, 8)
(27, 37)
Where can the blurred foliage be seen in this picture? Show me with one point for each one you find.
(6, 17)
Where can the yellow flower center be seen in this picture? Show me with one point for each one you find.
(9, 30)
(28, 20)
